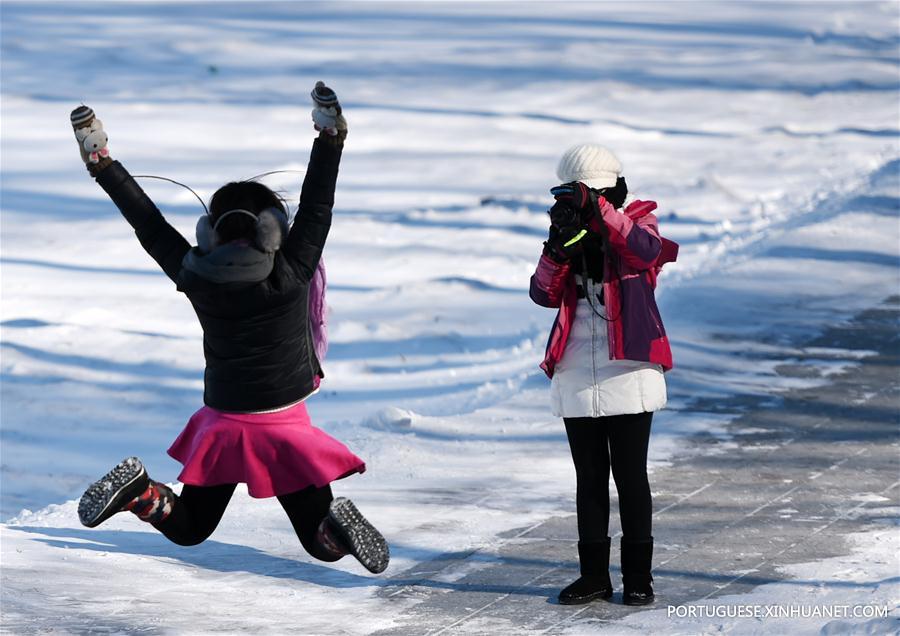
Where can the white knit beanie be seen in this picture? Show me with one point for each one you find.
(593, 165)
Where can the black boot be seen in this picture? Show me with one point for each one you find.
(113, 492)
(346, 531)
(594, 580)
(636, 578)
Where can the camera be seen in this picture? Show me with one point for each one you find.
(573, 203)
(563, 214)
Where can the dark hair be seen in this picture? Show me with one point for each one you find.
(615, 194)
(241, 195)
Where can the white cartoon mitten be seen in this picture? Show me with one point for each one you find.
(92, 139)
(327, 114)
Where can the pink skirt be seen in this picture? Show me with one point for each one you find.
(273, 453)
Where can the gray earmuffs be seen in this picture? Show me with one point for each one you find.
(271, 230)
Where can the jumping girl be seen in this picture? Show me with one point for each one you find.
(605, 357)
(249, 281)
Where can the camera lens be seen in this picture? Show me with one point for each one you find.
(563, 215)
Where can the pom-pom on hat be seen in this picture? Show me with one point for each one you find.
(82, 117)
(591, 164)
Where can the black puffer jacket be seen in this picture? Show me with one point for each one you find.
(256, 336)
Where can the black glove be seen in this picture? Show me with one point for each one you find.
(565, 243)
(576, 200)
(577, 196)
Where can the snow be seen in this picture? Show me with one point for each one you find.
(767, 132)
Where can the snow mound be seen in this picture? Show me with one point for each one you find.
(391, 419)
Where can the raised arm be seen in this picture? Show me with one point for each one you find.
(307, 236)
(636, 241)
(161, 241)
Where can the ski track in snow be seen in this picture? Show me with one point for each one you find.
(767, 133)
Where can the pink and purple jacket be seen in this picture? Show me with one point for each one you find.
(635, 328)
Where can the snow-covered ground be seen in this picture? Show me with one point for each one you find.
(767, 132)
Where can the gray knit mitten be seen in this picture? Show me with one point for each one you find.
(327, 114)
(92, 139)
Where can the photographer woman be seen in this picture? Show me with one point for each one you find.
(606, 356)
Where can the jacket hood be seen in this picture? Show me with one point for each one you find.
(235, 262)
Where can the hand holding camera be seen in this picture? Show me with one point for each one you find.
(564, 243)
(569, 220)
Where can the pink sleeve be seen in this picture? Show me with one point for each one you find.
(548, 284)
(637, 243)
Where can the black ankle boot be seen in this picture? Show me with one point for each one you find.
(348, 531)
(113, 492)
(126, 487)
(594, 580)
(636, 579)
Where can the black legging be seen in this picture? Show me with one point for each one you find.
(198, 510)
(619, 441)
